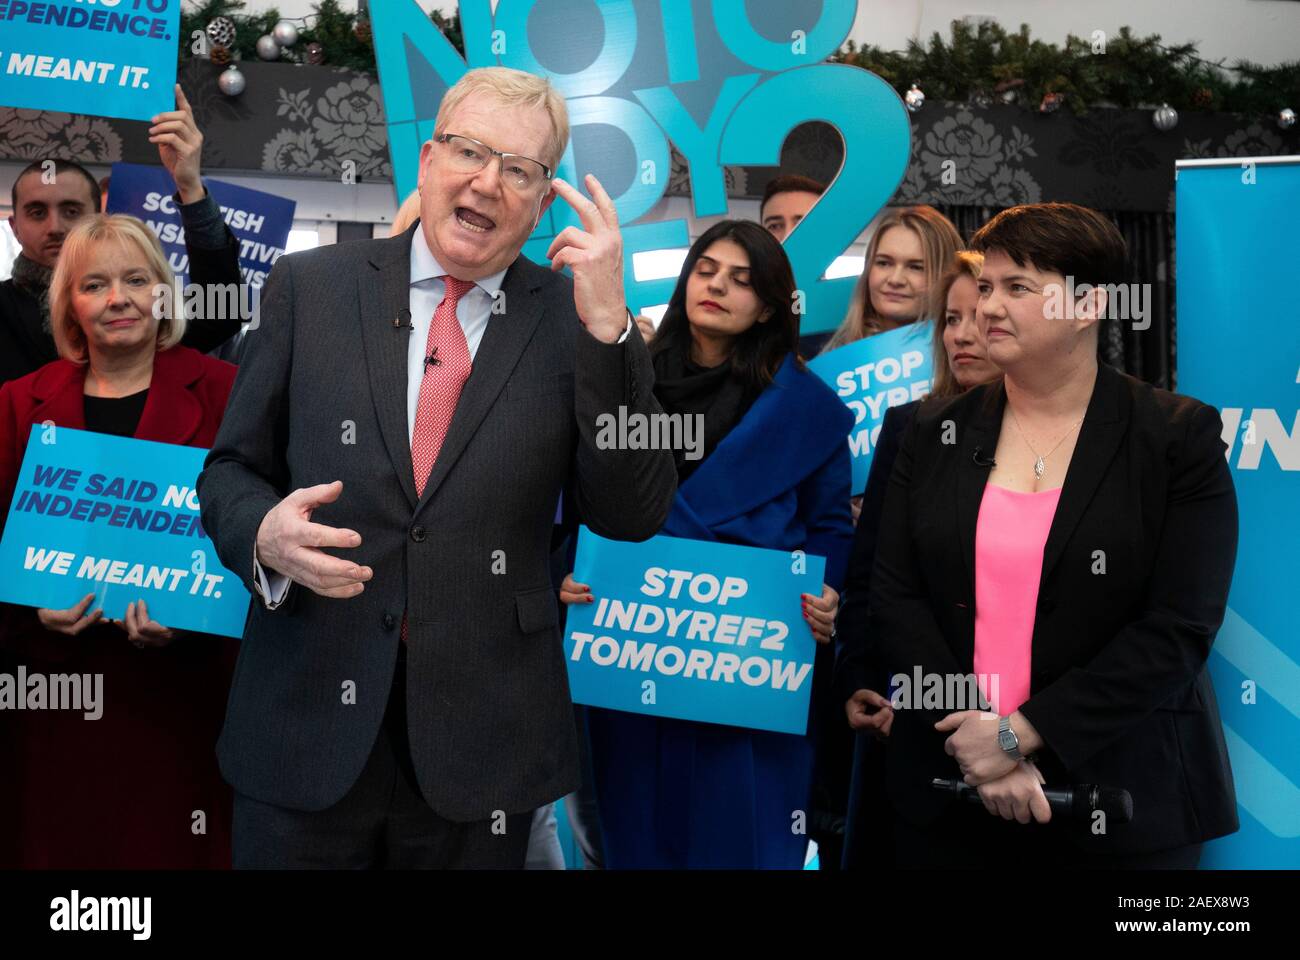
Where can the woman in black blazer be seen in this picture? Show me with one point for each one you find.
(1093, 518)
(961, 362)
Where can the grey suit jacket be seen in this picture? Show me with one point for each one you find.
(320, 396)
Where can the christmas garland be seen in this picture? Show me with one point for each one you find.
(986, 63)
(982, 64)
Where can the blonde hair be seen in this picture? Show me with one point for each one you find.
(81, 242)
(964, 263)
(407, 214)
(512, 88)
(939, 241)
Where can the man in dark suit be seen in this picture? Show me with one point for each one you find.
(417, 405)
(50, 196)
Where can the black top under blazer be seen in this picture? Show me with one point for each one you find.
(1119, 688)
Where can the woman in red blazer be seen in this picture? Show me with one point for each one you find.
(139, 786)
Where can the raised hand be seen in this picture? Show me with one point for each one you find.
(290, 544)
(595, 255)
(180, 146)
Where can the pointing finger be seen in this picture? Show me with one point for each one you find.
(603, 202)
(586, 210)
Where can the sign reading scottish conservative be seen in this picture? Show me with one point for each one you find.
(695, 630)
(260, 221)
(110, 58)
(725, 81)
(1239, 350)
(117, 517)
(872, 375)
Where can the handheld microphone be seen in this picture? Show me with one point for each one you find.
(982, 461)
(1077, 802)
(403, 319)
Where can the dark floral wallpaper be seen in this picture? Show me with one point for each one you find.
(315, 121)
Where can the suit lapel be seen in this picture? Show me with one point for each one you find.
(503, 342)
(978, 442)
(386, 282)
(1104, 426)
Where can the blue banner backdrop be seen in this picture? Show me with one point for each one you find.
(1239, 349)
(724, 81)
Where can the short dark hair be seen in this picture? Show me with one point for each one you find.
(60, 167)
(760, 350)
(790, 183)
(1063, 238)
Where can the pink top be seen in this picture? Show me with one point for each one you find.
(1009, 539)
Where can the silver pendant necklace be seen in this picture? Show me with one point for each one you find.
(1040, 462)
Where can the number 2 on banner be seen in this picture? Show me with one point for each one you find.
(877, 143)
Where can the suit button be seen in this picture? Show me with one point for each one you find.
(389, 621)
(417, 533)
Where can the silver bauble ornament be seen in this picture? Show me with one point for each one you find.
(914, 98)
(267, 48)
(231, 82)
(221, 32)
(1165, 117)
(285, 33)
(1286, 118)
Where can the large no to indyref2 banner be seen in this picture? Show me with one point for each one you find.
(723, 81)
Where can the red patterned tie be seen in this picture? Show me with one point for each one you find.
(444, 376)
(446, 368)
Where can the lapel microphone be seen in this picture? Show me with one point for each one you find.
(982, 461)
(403, 319)
(432, 359)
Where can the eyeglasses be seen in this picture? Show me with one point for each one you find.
(517, 171)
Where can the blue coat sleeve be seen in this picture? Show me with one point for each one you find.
(824, 511)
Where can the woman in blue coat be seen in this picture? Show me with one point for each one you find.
(774, 473)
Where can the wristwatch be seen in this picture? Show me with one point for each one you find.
(1007, 739)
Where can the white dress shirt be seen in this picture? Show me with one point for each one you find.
(473, 310)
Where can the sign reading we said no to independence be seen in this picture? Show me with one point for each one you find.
(712, 632)
(117, 517)
(111, 58)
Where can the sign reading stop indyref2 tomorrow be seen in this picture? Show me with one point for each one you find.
(695, 630)
(723, 81)
(111, 58)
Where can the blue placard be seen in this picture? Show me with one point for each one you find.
(694, 630)
(1239, 350)
(872, 375)
(108, 58)
(260, 221)
(117, 517)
